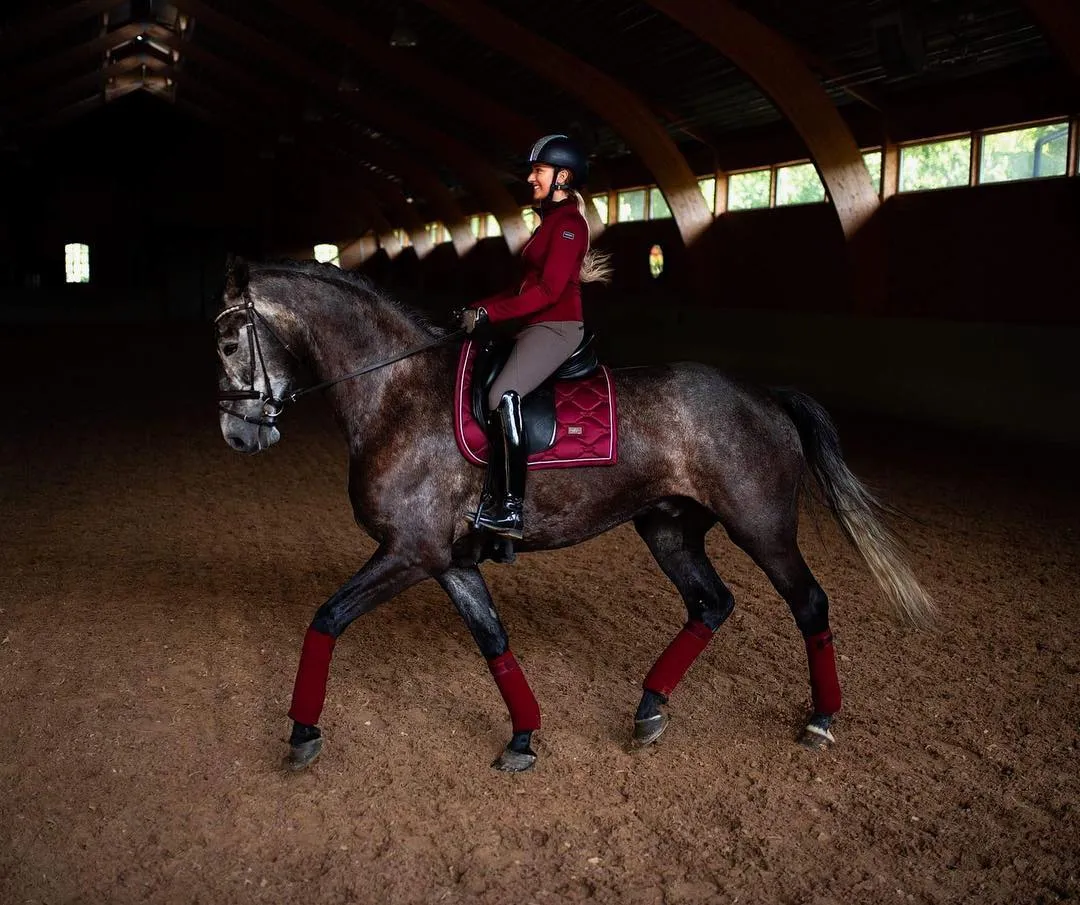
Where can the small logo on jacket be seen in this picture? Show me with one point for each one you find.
(575, 431)
(567, 234)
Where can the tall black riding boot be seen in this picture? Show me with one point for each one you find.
(495, 478)
(504, 516)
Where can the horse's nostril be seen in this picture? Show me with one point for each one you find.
(236, 443)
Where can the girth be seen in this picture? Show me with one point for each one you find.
(538, 407)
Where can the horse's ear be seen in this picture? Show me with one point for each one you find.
(236, 276)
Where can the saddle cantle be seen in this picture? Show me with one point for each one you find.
(569, 419)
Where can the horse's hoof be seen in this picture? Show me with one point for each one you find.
(817, 734)
(648, 730)
(303, 755)
(511, 761)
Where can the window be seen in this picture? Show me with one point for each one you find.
(749, 190)
(492, 226)
(77, 262)
(872, 159)
(530, 218)
(437, 233)
(708, 189)
(1025, 153)
(402, 237)
(656, 261)
(328, 254)
(631, 205)
(600, 202)
(935, 165)
(474, 225)
(798, 184)
(658, 206)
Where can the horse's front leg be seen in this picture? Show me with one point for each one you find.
(385, 575)
(470, 595)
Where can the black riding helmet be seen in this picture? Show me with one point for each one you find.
(562, 153)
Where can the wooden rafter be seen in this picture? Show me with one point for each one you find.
(22, 35)
(1060, 21)
(259, 120)
(609, 99)
(442, 87)
(40, 73)
(473, 170)
(230, 124)
(80, 86)
(777, 68)
(272, 104)
(76, 110)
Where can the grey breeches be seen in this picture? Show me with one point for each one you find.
(538, 351)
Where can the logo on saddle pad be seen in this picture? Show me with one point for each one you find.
(584, 419)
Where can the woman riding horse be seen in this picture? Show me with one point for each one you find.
(557, 259)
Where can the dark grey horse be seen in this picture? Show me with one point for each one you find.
(695, 448)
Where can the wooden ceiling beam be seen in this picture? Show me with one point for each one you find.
(79, 86)
(609, 99)
(426, 181)
(1060, 22)
(407, 68)
(474, 171)
(773, 63)
(271, 101)
(24, 34)
(228, 124)
(74, 111)
(34, 76)
(375, 190)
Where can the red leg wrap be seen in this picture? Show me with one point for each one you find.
(515, 691)
(675, 661)
(824, 684)
(309, 692)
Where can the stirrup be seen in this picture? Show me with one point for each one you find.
(505, 521)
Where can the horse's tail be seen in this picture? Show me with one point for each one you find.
(856, 509)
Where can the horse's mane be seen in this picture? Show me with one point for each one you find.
(354, 283)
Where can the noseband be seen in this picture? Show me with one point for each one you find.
(273, 406)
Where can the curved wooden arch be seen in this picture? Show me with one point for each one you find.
(238, 79)
(475, 172)
(1060, 22)
(366, 192)
(610, 100)
(446, 89)
(426, 181)
(355, 253)
(777, 68)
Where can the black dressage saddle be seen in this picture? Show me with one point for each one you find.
(538, 407)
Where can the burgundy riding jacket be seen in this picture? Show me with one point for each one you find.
(551, 290)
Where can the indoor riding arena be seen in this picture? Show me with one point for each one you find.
(210, 207)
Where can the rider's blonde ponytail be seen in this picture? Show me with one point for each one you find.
(596, 266)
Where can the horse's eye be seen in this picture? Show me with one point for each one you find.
(229, 348)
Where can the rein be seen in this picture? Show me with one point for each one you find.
(273, 406)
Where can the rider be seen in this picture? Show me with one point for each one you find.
(557, 259)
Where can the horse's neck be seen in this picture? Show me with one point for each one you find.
(335, 340)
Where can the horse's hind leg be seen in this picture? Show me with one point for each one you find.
(468, 591)
(781, 560)
(675, 534)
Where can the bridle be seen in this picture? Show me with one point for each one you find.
(273, 406)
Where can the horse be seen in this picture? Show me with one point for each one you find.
(696, 448)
